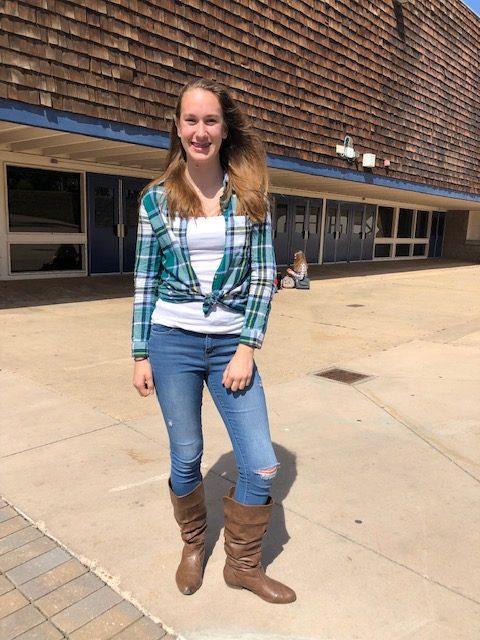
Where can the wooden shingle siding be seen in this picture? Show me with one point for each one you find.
(402, 80)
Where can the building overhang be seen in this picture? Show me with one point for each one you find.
(38, 132)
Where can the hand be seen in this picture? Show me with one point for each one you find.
(239, 371)
(143, 378)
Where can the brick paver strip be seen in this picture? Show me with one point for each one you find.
(37, 566)
(11, 525)
(69, 594)
(5, 585)
(10, 602)
(87, 609)
(47, 582)
(77, 603)
(19, 622)
(109, 623)
(143, 629)
(44, 631)
(26, 552)
(18, 539)
(6, 513)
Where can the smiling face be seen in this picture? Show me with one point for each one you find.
(201, 127)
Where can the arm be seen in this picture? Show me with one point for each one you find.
(263, 270)
(238, 373)
(147, 268)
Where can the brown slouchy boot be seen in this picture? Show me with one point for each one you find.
(245, 526)
(191, 515)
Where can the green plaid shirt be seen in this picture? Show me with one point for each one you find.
(243, 281)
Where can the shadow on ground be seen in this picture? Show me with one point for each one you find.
(42, 291)
(277, 536)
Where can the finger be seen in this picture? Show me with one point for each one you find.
(149, 385)
(225, 376)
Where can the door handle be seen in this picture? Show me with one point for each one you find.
(120, 230)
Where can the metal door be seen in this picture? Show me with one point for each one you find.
(314, 226)
(355, 232)
(435, 246)
(130, 189)
(360, 232)
(330, 241)
(298, 235)
(368, 231)
(113, 216)
(349, 232)
(103, 224)
(280, 229)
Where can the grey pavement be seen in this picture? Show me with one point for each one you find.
(376, 523)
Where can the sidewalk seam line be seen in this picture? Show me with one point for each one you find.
(415, 433)
(47, 444)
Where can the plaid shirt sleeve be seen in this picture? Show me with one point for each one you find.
(146, 278)
(263, 269)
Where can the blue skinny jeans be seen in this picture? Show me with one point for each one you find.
(182, 361)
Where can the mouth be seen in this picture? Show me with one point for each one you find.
(200, 146)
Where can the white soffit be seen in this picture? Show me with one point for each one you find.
(48, 143)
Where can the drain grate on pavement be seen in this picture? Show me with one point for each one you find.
(342, 375)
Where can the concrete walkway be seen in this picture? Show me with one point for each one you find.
(377, 524)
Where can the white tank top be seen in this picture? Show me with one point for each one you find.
(206, 245)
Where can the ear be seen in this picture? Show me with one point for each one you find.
(176, 126)
(224, 132)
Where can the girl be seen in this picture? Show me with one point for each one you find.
(203, 286)
(300, 267)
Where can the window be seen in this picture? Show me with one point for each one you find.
(402, 250)
(300, 211)
(46, 257)
(281, 218)
(421, 226)
(384, 222)
(41, 200)
(382, 250)
(405, 223)
(419, 249)
(314, 219)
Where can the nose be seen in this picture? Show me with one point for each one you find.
(201, 130)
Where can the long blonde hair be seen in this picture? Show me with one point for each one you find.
(299, 259)
(242, 156)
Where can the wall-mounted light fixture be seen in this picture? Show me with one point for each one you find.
(346, 150)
